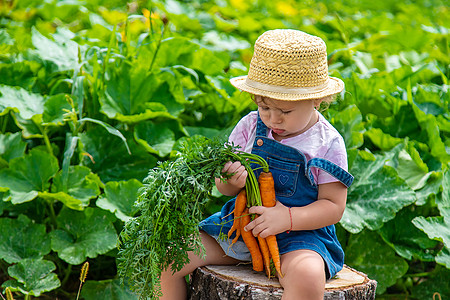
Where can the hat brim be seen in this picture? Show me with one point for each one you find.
(334, 86)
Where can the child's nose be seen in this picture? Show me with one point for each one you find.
(275, 117)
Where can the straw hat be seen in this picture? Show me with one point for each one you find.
(289, 65)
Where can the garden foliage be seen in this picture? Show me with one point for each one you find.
(94, 93)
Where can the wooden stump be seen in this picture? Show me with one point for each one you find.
(241, 282)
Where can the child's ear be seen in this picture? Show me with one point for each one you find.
(317, 103)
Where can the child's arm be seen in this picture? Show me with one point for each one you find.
(327, 210)
(235, 183)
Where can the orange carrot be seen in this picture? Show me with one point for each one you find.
(267, 189)
(265, 254)
(274, 253)
(239, 206)
(251, 243)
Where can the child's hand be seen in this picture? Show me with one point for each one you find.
(240, 176)
(236, 182)
(271, 220)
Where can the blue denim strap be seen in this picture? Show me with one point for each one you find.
(331, 168)
(261, 128)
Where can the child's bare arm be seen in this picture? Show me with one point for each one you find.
(327, 210)
(235, 183)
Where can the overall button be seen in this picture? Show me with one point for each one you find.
(259, 142)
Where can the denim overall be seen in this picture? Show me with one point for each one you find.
(294, 186)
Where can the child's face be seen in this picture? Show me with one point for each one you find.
(287, 118)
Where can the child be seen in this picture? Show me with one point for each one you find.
(288, 79)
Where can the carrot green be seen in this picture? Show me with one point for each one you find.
(170, 206)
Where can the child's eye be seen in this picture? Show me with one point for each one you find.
(264, 108)
(285, 112)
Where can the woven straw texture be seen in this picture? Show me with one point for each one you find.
(289, 65)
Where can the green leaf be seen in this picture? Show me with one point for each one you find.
(349, 124)
(33, 277)
(62, 53)
(428, 123)
(443, 257)
(54, 110)
(169, 94)
(376, 195)
(431, 190)
(437, 228)
(407, 240)
(21, 101)
(382, 140)
(433, 284)
(83, 234)
(111, 160)
(368, 253)
(82, 186)
(110, 129)
(157, 138)
(413, 171)
(11, 146)
(119, 198)
(128, 95)
(444, 204)
(24, 239)
(110, 289)
(28, 175)
(20, 73)
(69, 149)
(31, 128)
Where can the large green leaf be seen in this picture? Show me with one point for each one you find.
(119, 198)
(437, 228)
(128, 95)
(11, 146)
(110, 158)
(28, 175)
(382, 140)
(55, 108)
(21, 238)
(368, 253)
(32, 277)
(349, 123)
(436, 283)
(20, 73)
(429, 124)
(157, 138)
(109, 128)
(110, 289)
(443, 257)
(182, 51)
(61, 53)
(406, 239)
(82, 185)
(21, 101)
(432, 190)
(411, 169)
(444, 204)
(376, 195)
(83, 234)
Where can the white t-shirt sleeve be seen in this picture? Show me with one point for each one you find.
(336, 154)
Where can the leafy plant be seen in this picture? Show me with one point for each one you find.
(170, 205)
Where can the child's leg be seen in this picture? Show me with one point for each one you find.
(174, 285)
(304, 275)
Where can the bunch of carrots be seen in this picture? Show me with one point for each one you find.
(257, 192)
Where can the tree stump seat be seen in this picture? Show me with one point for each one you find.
(241, 282)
